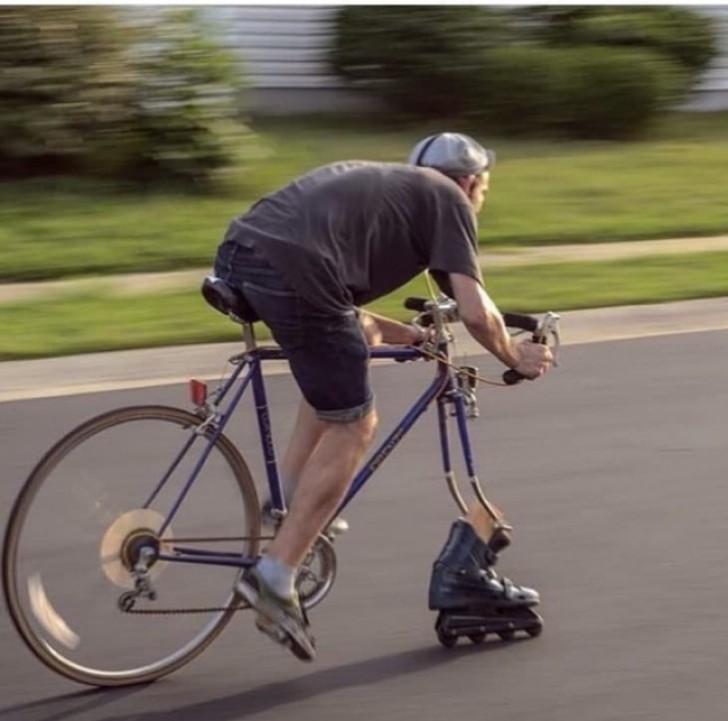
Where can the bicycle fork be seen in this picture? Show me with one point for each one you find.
(487, 519)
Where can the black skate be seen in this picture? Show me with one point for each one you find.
(472, 601)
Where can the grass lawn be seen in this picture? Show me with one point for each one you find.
(670, 184)
(100, 321)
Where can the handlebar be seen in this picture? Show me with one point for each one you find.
(443, 310)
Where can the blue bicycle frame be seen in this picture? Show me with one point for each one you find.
(248, 371)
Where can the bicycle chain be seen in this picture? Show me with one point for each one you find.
(180, 611)
(209, 609)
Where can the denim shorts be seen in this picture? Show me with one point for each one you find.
(328, 353)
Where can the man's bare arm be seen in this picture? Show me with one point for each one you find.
(379, 329)
(484, 322)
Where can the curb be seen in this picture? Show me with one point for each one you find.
(100, 372)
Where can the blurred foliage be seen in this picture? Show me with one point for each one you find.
(584, 92)
(63, 78)
(108, 92)
(586, 71)
(421, 60)
(683, 35)
(614, 93)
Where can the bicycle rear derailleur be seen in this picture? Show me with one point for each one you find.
(143, 587)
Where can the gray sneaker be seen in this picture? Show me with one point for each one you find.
(282, 619)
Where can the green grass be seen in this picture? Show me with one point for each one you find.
(670, 184)
(100, 321)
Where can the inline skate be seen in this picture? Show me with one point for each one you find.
(471, 599)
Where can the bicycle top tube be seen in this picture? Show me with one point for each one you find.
(391, 352)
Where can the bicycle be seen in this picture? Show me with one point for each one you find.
(135, 540)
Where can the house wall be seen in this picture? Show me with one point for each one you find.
(285, 47)
(711, 91)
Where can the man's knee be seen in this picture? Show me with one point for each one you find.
(359, 430)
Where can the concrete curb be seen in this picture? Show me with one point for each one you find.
(72, 375)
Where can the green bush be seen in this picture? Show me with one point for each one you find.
(519, 89)
(144, 95)
(613, 93)
(685, 36)
(421, 60)
(592, 71)
(57, 86)
(186, 102)
(594, 92)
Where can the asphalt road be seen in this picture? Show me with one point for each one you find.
(612, 470)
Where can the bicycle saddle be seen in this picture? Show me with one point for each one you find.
(228, 300)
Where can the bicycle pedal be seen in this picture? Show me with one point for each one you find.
(337, 527)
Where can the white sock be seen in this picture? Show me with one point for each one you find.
(279, 576)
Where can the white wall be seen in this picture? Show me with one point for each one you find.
(284, 48)
(711, 91)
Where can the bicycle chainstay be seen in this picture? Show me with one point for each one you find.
(242, 606)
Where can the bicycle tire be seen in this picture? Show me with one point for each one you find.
(43, 471)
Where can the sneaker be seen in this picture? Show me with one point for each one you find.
(282, 619)
(337, 526)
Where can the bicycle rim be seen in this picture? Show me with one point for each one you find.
(66, 552)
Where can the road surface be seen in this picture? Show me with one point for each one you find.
(613, 471)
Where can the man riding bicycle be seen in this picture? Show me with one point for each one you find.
(306, 257)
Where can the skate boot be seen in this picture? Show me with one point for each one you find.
(471, 599)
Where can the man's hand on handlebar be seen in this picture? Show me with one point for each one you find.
(534, 359)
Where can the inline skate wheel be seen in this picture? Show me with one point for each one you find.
(446, 638)
(477, 638)
(535, 630)
(506, 635)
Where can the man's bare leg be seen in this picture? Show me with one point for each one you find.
(304, 438)
(321, 486)
(270, 586)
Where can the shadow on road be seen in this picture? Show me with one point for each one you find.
(249, 702)
(66, 706)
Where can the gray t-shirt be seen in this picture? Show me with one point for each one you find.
(347, 233)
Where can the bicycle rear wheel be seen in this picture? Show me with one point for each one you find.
(76, 525)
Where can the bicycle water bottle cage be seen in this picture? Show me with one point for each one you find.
(228, 300)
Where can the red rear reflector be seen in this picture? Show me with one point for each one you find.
(198, 392)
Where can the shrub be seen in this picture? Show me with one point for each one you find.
(142, 95)
(592, 92)
(421, 60)
(185, 103)
(595, 71)
(685, 36)
(613, 93)
(57, 84)
(519, 89)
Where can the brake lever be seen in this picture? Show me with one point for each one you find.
(549, 328)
